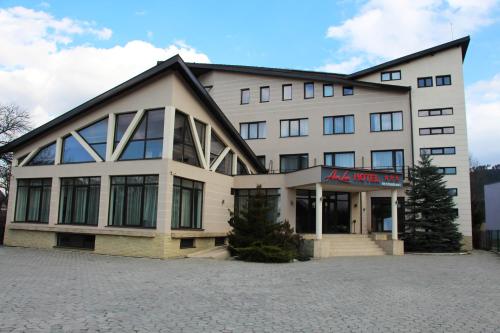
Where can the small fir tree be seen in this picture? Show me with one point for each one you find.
(430, 212)
(256, 236)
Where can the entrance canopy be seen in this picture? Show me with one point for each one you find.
(344, 179)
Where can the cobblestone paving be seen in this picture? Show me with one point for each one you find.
(69, 291)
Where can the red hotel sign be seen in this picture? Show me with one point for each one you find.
(361, 177)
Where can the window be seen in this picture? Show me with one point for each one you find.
(33, 200)
(243, 198)
(347, 91)
(216, 148)
(254, 130)
(147, 140)
(437, 130)
(293, 162)
(287, 92)
(327, 90)
(76, 241)
(241, 168)
(79, 200)
(447, 170)
(435, 112)
(187, 204)
(123, 121)
(423, 82)
(184, 150)
(96, 136)
(390, 76)
(338, 125)
(308, 90)
(265, 94)
(133, 201)
(46, 156)
(245, 96)
(73, 152)
(343, 160)
(294, 127)
(437, 151)
(443, 80)
(386, 121)
(186, 243)
(391, 160)
(452, 192)
(262, 160)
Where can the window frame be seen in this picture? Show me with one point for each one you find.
(344, 120)
(260, 157)
(334, 154)
(328, 85)
(425, 78)
(63, 144)
(54, 143)
(435, 128)
(453, 190)
(260, 94)
(347, 87)
(442, 171)
(390, 75)
(73, 189)
(192, 191)
(258, 130)
(429, 112)
(394, 166)
(379, 114)
(125, 197)
(305, 90)
(283, 92)
(29, 186)
(289, 121)
(442, 77)
(96, 143)
(436, 154)
(241, 96)
(186, 127)
(297, 155)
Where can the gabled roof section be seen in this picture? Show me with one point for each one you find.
(462, 42)
(175, 63)
(198, 69)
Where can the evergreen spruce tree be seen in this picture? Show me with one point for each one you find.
(257, 237)
(430, 212)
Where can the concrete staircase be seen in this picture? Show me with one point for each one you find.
(352, 245)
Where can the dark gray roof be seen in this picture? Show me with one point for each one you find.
(461, 42)
(175, 63)
(343, 79)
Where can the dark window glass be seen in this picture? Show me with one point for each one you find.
(73, 152)
(147, 140)
(294, 127)
(262, 160)
(290, 163)
(96, 136)
(338, 125)
(33, 200)
(447, 170)
(241, 168)
(76, 241)
(443, 80)
(133, 201)
(122, 123)
(308, 90)
(187, 204)
(216, 147)
(390, 76)
(265, 94)
(184, 149)
(243, 198)
(245, 96)
(287, 92)
(327, 90)
(186, 243)
(386, 121)
(424, 82)
(254, 130)
(79, 200)
(438, 151)
(435, 112)
(46, 156)
(200, 130)
(344, 159)
(348, 91)
(225, 167)
(390, 160)
(452, 192)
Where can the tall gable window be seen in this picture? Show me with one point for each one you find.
(73, 152)
(33, 200)
(216, 149)
(390, 76)
(134, 201)
(443, 80)
(265, 94)
(225, 167)
(241, 168)
(79, 200)
(96, 136)
(184, 149)
(147, 140)
(245, 96)
(287, 92)
(46, 156)
(308, 90)
(123, 121)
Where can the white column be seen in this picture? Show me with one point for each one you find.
(319, 211)
(394, 214)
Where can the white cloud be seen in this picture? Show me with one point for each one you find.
(387, 29)
(43, 71)
(347, 66)
(483, 118)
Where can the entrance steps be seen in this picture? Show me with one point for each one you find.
(352, 245)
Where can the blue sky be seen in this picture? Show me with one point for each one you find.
(41, 42)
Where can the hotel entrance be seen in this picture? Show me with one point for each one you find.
(336, 212)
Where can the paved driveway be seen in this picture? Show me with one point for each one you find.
(66, 291)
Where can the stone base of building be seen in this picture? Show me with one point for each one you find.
(467, 243)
